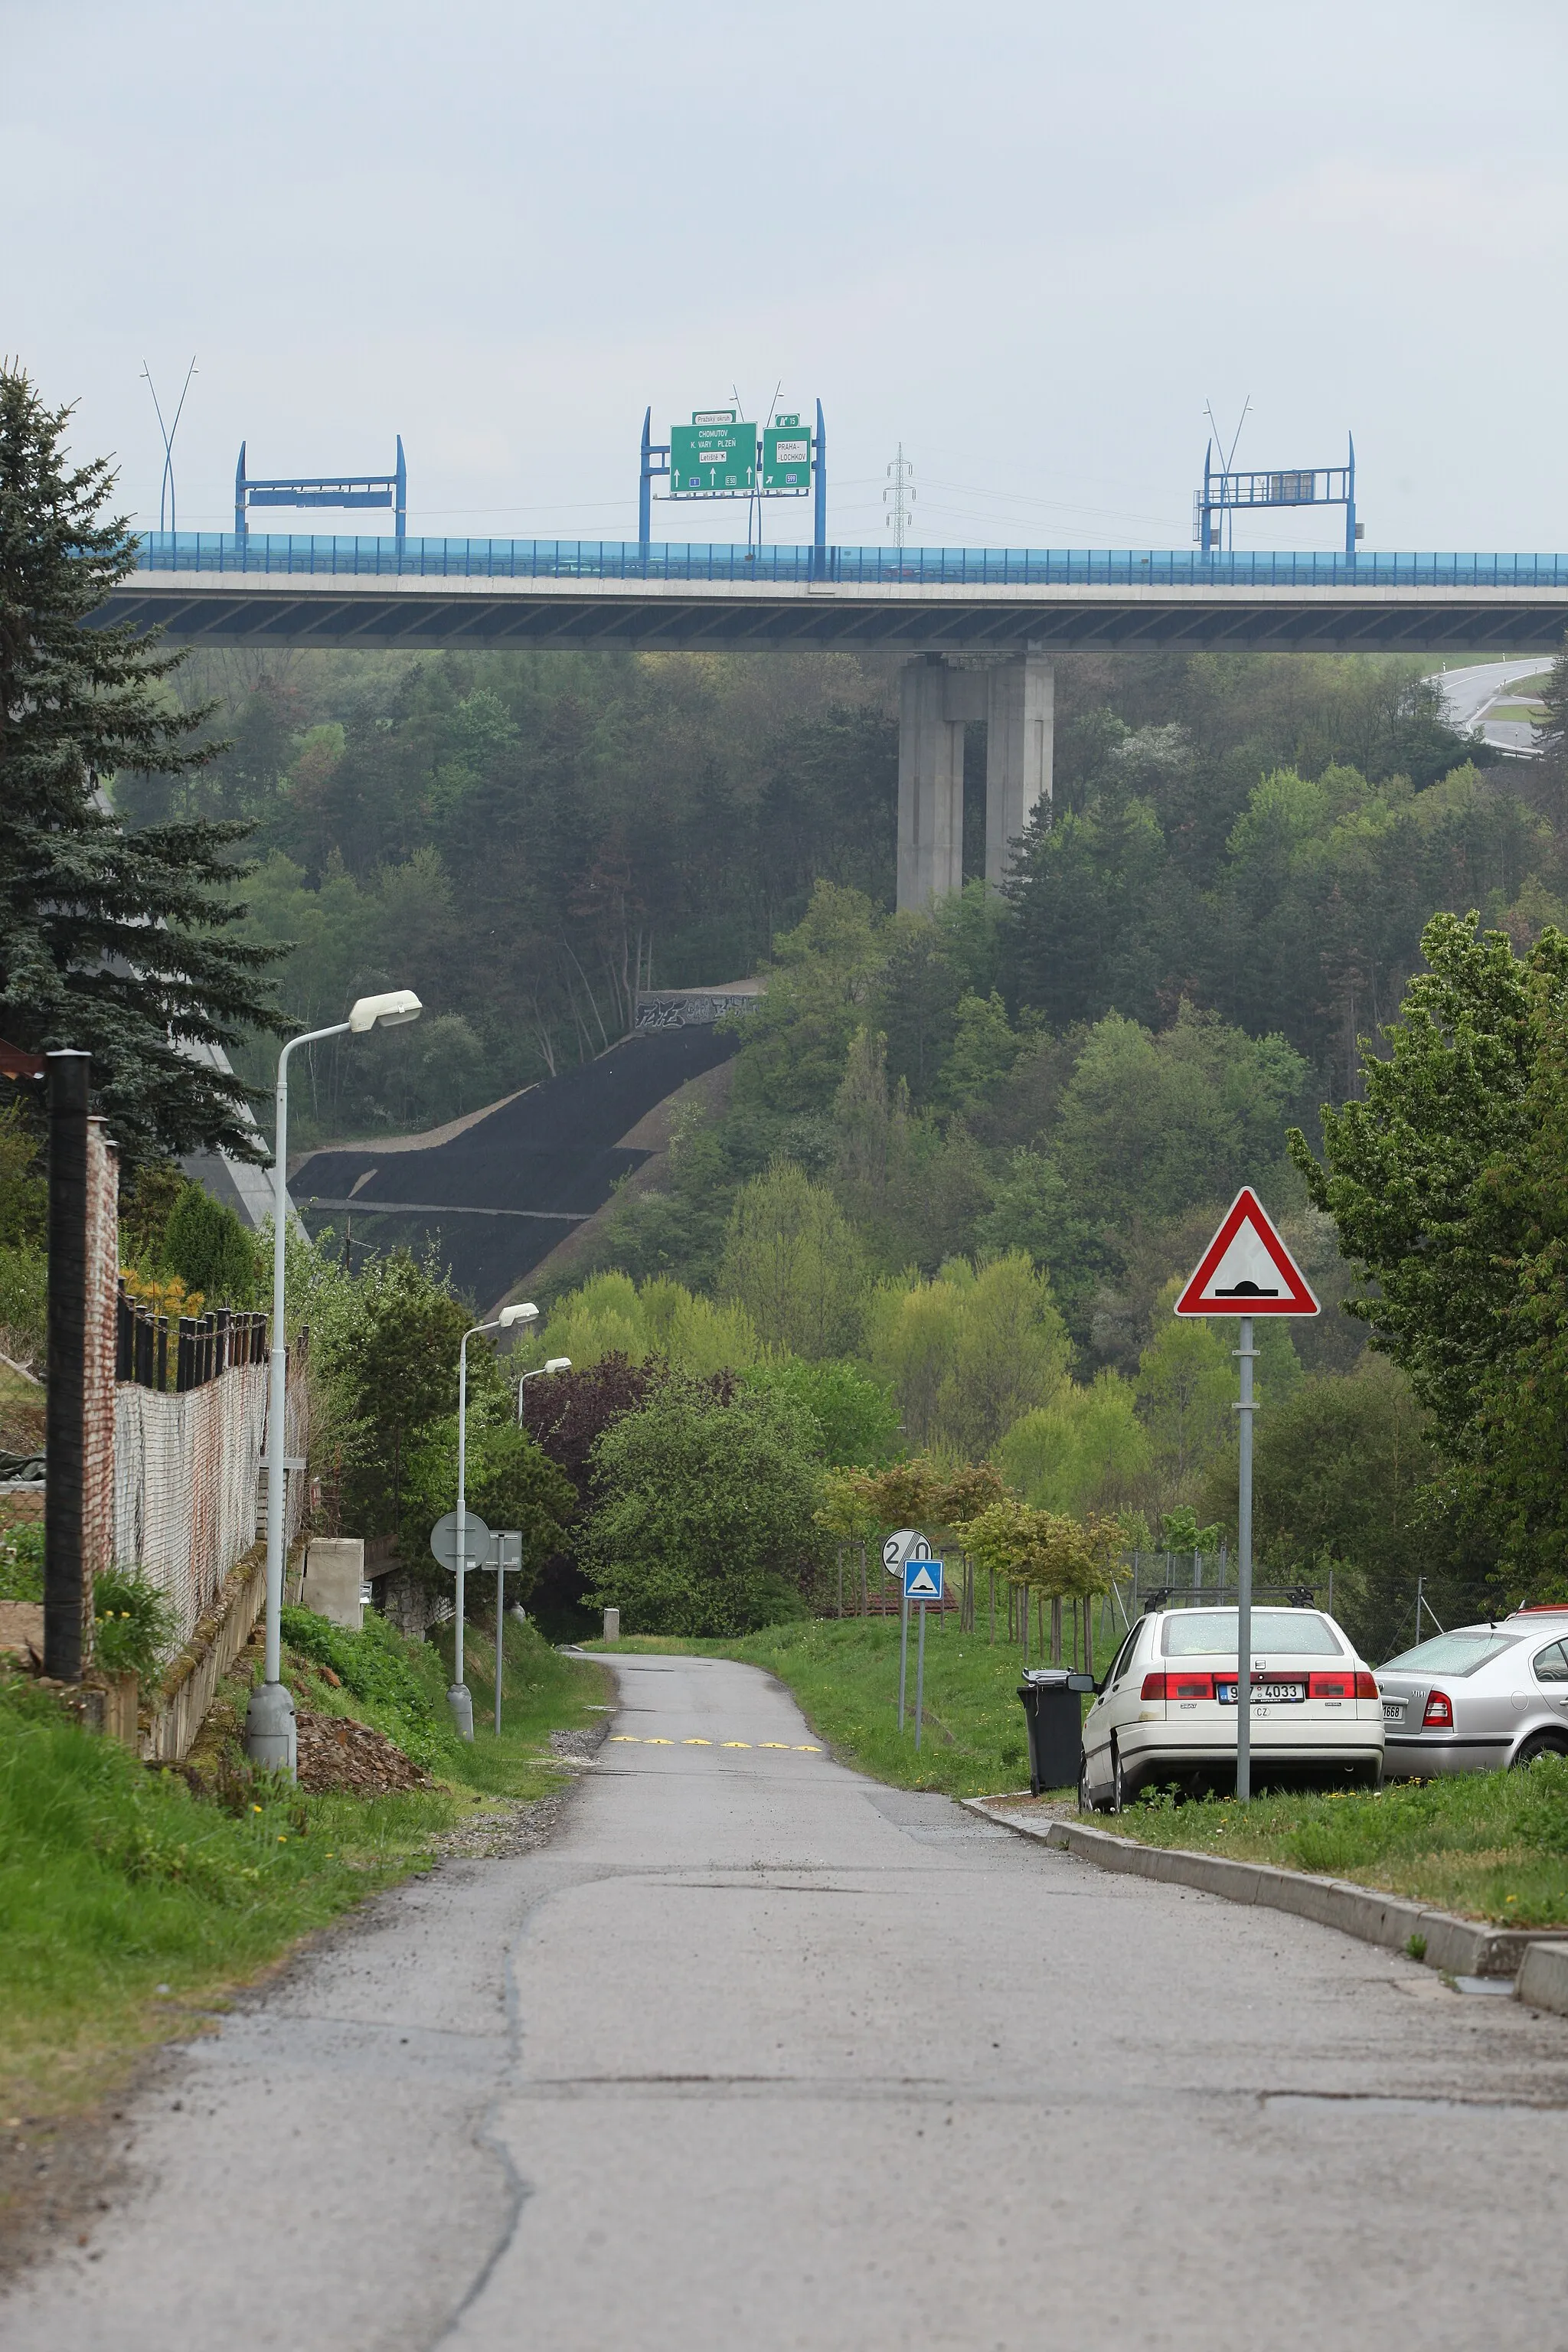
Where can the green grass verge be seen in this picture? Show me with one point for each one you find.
(1492, 1846)
(131, 1902)
(844, 1675)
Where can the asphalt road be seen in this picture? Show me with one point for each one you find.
(759, 2053)
(1470, 693)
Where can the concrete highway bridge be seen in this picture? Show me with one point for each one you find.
(979, 625)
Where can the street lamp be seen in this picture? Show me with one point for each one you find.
(555, 1364)
(459, 1698)
(270, 1739)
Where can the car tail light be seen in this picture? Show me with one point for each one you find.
(1439, 1715)
(1338, 1686)
(1178, 1686)
(1366, 1685)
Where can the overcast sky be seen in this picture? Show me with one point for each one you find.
(1028, 241)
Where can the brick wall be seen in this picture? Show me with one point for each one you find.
(98, 1383)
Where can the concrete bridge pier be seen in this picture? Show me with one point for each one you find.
(1016, 700)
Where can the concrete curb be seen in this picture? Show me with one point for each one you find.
(1462, 1948)
(1542, 1980)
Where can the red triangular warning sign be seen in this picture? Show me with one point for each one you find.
(1247, 1269)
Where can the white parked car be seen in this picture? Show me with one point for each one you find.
(1481, 1697)
(1165, 1712)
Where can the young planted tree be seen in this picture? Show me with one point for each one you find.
(120, 944)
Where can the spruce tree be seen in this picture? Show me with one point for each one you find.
(120, 943)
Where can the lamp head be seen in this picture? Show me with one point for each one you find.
(527, 1313)
(559, 1364)
(389, 1011)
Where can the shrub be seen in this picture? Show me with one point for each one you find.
(705, 1514)
(374, 1666)
(211, 1251)
(133, 1623)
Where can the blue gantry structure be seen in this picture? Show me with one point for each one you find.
(322, 491)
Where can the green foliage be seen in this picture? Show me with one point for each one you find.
(118, 944)
(792, 1261)
(23, 1189)
(1339, 1473)
(23, 1302)
(612, 1315)
(857, 1419)
(384, 1349)
(22, 1560)
(1087, 1451)
(209, 1248)
(970, 1353)
(1185, 1386)
(133, 1623)
(510, 1483)
(1405, 1167)
(374, 1665)
(794, 1045)
(705, 1512)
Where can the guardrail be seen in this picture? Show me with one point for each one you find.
(275, 553)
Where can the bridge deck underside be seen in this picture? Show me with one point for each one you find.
(1413, 621)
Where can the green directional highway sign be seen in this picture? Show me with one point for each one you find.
(707, 460)
(786, 455)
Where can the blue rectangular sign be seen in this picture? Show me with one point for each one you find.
(922, 1580)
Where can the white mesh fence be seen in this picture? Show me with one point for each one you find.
(188, 1481)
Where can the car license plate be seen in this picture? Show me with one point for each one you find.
(1264, 1694)
(1394, 1710)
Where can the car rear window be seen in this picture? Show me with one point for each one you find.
(1211, 1633)
(1451, 1653)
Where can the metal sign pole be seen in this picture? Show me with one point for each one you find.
(1244, 1577)
(501, 1618)
(920, 1679)
(903, 1655)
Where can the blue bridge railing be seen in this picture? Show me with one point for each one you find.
(955, 567)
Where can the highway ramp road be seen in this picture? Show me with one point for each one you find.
(759, 2053)
(556, 1148)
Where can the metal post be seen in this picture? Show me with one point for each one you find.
(1419, 1582)
(1244, 1577)
(1349, 497)
(819, 544)
(270, 1727)
(920, 1679)
(501, 1618)
(645, 486)
(239, 522)
(458, 1698)
(400, 510)
(904, 1655)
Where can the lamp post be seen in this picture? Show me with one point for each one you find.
(458, 1697)
(269, 1737)
(555, 1364)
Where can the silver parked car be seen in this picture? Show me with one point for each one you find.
(1479, 1699)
